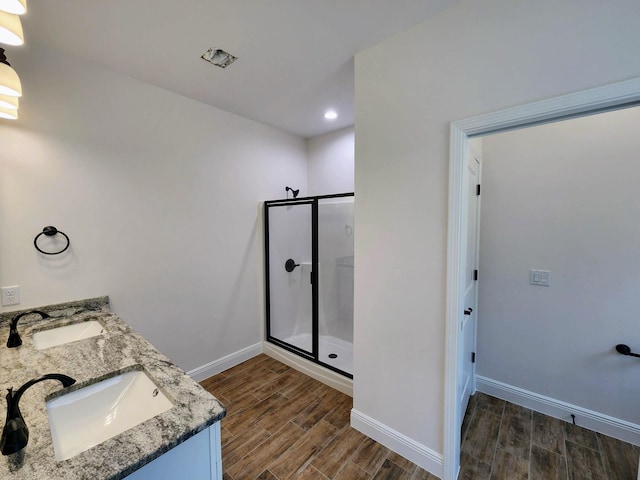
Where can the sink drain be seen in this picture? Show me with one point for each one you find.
(333, 355)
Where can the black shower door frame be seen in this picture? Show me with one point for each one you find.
(312, 356)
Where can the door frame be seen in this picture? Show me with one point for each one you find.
(586, 102)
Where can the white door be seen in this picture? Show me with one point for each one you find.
(466, 370)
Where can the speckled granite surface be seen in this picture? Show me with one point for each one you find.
(89, 361)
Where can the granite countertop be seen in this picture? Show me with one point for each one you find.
(89, 361)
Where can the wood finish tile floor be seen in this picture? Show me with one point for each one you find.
(282, 425)
(505, 441)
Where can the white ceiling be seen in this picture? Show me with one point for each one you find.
(295, 57)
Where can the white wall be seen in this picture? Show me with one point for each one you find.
(158, 193)
(331, 159)
(473, 58)
(563, 197)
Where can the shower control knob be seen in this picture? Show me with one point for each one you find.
(290, 265)
(468, 311)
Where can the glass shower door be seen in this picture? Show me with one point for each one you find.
(289, 261)
(335, 284)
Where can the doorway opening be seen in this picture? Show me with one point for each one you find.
(616, 96)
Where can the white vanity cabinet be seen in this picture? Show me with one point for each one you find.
(198, 458)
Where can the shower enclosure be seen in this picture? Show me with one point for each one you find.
(309, 278)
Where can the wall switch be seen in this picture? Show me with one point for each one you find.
(541, 278)
(11, 295)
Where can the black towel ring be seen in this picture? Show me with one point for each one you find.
(50, 232)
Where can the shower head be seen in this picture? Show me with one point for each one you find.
(294, 192)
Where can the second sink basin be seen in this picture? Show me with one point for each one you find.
(86, 417)
(67, 334)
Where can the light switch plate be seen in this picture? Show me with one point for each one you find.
(541, 278)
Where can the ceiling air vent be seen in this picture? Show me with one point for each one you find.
(218, 57)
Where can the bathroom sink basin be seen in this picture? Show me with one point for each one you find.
(86, 417)
(67, 334)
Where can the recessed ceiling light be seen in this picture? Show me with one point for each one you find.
(330, 115)
(218, 57)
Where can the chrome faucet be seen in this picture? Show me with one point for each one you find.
(15, 434)
(14, 339)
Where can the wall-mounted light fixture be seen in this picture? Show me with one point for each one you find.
(9, 114)
(10, 34)
(17, 7)
(10, 29)
(9, 80)
(8, 102)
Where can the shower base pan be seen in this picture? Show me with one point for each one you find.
(331, 350)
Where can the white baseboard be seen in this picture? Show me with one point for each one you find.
(401, 444)
(324, 375)
(224, 363)
(599, 422)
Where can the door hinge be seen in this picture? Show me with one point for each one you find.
(478, 189)
(473, 357)
(475, 274)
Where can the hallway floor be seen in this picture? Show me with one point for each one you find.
(282, 425)
(503, 441)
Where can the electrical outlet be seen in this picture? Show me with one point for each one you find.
(10, 295)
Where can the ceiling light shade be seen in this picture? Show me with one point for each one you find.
(8, 113)
(9, 81)
(17, 7)
(10, 29)
(10, 103)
